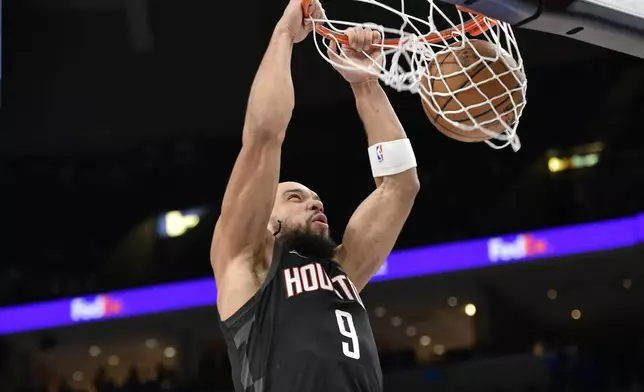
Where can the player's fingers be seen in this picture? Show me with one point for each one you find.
(318, 11)
(308, 25)
(359, 42)
(368, 35)
(332, 52)
(351, 36)
(310, 8)
(375, 37)
(346, 49)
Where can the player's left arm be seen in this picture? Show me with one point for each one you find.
(374, 227)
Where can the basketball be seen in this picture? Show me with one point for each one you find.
(481, 69)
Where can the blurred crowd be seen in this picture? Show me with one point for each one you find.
(599, 367)
(164, 381)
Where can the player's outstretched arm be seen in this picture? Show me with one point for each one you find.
(240, 236)
(374, 227)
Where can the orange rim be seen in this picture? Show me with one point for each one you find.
(474, 27)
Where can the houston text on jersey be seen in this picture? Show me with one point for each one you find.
(312, 277)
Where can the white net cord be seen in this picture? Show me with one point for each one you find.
(406, 64)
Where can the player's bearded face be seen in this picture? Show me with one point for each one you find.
(305, 239)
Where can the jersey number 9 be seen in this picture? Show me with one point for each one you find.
(348, 330)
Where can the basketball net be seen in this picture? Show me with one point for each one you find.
(407, 52)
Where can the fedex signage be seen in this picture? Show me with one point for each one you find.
(516, 248)
(94, 308)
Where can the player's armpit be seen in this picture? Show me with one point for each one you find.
(374, 227)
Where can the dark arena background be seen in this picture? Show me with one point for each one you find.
(121, 120)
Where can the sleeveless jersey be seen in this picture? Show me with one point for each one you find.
(305, 330)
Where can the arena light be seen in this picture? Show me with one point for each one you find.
(151, 343)
(538, 349)
(113, 360)
(627, 283)
(575, 314)
(552, 294)
(177, 223)
(169, 352)
(410, 330)
(557, 164)
(578, 157)
(470, 310)
(94, 351)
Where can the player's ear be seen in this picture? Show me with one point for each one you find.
(271, 224)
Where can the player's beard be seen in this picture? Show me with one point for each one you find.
(306, 242)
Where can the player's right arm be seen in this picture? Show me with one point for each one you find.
(239, 241)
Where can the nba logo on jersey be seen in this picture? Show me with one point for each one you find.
(379, 153)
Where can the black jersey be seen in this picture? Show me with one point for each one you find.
(305, 330)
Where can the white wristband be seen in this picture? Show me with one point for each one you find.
(391, 158)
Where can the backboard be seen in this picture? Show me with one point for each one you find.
(614, 24)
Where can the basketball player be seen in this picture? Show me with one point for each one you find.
(288, 296)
